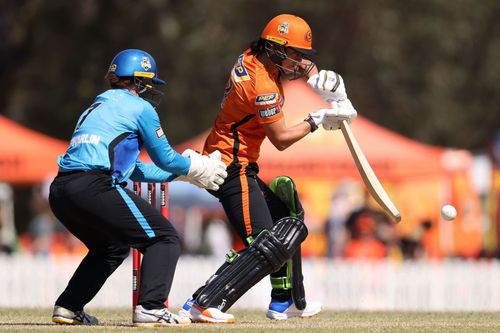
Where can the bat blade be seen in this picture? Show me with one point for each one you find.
(369, 178)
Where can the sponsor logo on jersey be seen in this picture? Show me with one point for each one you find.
(283, 28)
(145, 63)
(159, 132)
(269, 112)
(85, 138)
(266, 99)
(239, 71)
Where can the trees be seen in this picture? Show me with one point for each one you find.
(427, 69)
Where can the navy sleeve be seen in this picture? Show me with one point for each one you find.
(157, 146)
(150, 173)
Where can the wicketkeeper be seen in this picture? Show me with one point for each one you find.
(89, 196)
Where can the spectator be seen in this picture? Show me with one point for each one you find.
(363, 243)
(43, 226)
(412, 245)
(347, 197)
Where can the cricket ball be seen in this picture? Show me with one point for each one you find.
(448, 212)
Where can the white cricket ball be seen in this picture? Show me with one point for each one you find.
(448, 212)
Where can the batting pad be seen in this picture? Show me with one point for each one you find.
(266, 254)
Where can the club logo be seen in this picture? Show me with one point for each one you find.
(145, 63)
(112, 68)
(283, 28)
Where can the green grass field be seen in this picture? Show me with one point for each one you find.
(38, 320)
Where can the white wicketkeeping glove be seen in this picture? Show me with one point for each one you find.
(328, 85)
(206, 171)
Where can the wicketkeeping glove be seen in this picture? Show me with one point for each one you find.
(328, 85)
(206, 171)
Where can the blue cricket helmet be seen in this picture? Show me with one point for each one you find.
(135, 63)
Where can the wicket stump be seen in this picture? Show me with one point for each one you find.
(136, 255)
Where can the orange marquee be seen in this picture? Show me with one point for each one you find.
(27, 156)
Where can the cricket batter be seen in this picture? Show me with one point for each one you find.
(268, 219)
(89, 196)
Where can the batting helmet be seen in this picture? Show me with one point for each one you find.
(290, 31)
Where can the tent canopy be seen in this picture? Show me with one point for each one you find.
(27, 156)
(325, 154)
(418, 177)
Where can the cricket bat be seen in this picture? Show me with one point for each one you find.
(369, 178)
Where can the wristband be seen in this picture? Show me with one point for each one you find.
(311, 123)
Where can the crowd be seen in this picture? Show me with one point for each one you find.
(351, 231)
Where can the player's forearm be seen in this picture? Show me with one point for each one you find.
(291, 135)
(150, 173)
(168, 159)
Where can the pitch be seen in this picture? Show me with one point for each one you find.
(118, 320)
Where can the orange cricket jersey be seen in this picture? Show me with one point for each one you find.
(253, 97)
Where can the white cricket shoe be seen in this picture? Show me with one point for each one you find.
(157, 318)
(185, 310)
(67, 317)
(209, 315)
(284, 310)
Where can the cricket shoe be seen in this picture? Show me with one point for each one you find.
(157, 318)
(64, 316)
(284, 310)
(209, 315)
(184, 311)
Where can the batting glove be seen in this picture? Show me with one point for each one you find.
(328, 85)
(341, 110)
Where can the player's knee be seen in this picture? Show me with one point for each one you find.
(171, 242)
(284, 188)
(120, 254)
(290, 231)
(114, 255)
(278, 244)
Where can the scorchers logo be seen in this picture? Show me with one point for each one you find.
(283, 28)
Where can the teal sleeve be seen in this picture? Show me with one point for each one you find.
(157, 146)
(150, 173)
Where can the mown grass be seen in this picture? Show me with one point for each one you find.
(119, 320)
